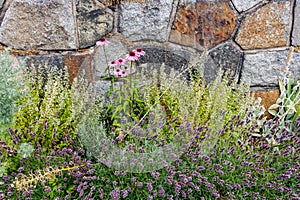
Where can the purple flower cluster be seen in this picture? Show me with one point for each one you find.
(68, 166)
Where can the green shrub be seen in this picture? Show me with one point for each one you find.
(122, 102)
(214, 104)
(12, 88)
(52, 104)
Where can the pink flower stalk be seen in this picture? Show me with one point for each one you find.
(139, 52)
(102, 42)
(121, 61)
(113, 63)
(132, 56)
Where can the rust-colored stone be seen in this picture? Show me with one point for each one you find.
(77, 63)
(268, 98)
(267, 27)
(203, 24)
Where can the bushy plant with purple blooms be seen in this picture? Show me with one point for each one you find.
(59, 174)
(253, 169)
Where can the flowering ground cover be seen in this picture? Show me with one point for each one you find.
(152, 135)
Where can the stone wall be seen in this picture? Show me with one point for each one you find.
(249, 39)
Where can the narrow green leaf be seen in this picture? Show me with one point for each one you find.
(272, 112)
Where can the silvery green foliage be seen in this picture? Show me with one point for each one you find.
(26, 150)
(288, 104)
(11, 87)
(286, 111)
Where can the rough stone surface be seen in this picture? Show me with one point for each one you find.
(295, 65)
(80, 63)
(47, 25)
(226, 57)
(1, 3)
(93, 22)
(243, 5)
(203, 24)
(145, 21)
(45, 60)
(264, 68)
(156, 56)
(54, 62)
(296, 27)
(267, 27)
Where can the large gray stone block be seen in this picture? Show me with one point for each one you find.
(145, 21)
(156, 56)
(54, 62)
(225, 57)
(93, 22)
(44, 24)
(264, 68)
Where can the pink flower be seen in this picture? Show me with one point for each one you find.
(123, 73)
(121, 61)
(113, 63)
(132, 56)
(139, 52)
(119, 73)
(102, 42)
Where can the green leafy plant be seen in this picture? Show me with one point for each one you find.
(198, 103)
(12, 88)
(124, 103)
(56, 174)
(287, 106)
(53, 104)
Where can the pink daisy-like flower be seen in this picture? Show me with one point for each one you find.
(113, 63)
(121, 61)
(132, 56)
(119, 73)
(102, 42)
(123, 73)
(139, 52)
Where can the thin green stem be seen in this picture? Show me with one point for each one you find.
(130, 74)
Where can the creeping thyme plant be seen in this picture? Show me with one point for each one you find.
(151, 136)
